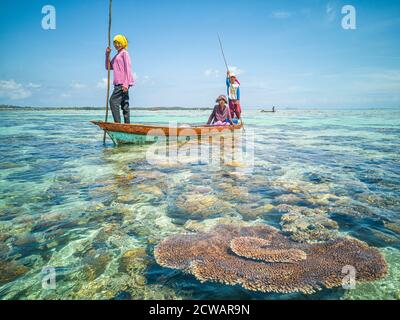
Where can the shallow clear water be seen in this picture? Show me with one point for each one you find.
(95, 212)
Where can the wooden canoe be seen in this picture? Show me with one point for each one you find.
(146, 133)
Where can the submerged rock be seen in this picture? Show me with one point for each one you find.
(11, 270)
(201, 205)
(394, 226)
(4, 237)
(235, 164)
(237, 193)
(385, 238)
(381, 201)
(4, 249)
(353, 210)
(95, 263)
(324, 199)
(133, 260)
(208, 224)
(253, 211)
(104, 287)
(123, 295)
(289, 199)
(151, 189)
(288, 185)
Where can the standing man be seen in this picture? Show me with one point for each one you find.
(233, 90)
(123, 78)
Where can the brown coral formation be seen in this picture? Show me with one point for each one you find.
(289, 199)
(307, 225)
(394, 226)
(253, 211)
(201, 205)
(209, 257)
(11, 270)
(258, 249)
(237, 193)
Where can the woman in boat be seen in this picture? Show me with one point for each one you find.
(123, 78)
(233, 89)
(220, 115)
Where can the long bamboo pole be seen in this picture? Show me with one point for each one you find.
(222, 50)
(108, 65)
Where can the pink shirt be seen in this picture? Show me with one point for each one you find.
(121, 64)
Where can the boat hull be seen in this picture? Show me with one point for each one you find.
(147, 134)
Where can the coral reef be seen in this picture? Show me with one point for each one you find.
(208, 256)
(289, 199)
(387, 288)
(235, 164)
(256, 248)
(134, 260)
(379, 200)
(201, 205)
(10, 270)
(290, 185)
(307, 225)
(237, 193)
(152, 189)
(208, 224)
(253, 211)
(95, 263)
(394, 226)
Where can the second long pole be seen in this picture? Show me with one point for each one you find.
(108, 65)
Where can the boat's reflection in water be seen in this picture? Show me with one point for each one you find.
(209, 148)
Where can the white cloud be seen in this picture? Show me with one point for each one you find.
(212, 73)
(78, 86)
(331, 11)
(281, 14)
(236, 70)
(102, 84)
(34, 85)
(147, 80)
(65, 95)
(10, 89)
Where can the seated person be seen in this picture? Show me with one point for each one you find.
(221, 115)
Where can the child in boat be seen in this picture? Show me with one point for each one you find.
(123, 78)
(220, 115)
(233, 89)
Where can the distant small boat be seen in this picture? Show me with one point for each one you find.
(144, 133)
(273, 110)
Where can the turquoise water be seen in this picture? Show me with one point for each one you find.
(95, 212)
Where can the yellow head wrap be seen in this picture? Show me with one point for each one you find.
(121, 40)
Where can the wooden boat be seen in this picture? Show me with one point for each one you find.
(146, 133)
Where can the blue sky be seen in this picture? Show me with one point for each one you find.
(287, 53)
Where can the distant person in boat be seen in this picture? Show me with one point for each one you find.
(233, 89)
(123, 78)
(220, 115)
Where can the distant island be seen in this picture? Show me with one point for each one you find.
(11, 107)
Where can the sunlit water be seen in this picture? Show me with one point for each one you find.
(95, 212)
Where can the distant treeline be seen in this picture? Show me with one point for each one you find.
(11, 107)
